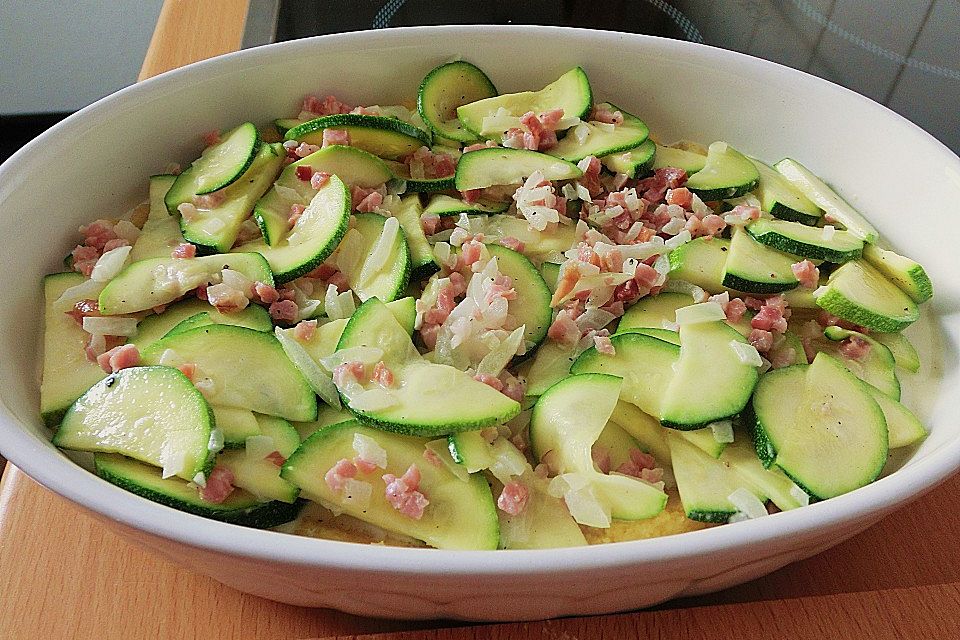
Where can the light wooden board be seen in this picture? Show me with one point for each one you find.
(62, 575)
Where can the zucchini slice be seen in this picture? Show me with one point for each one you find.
(646, 365)
(219, 165)
(269, 383)
(444, 205)
(550, 364)
(635, 163)
(355, 167)
(727, 174)
(151, 414)
(707, 346)
(689, 161)
(217, 228)
(567, 420)
(313, 238)
(701, 262)
(161, 232)
(430, 399)
(654, 311)
(158, 281)
(805, 241)
(837, 439)
(67, 373)
(498, 166)
(781, 199)
(423, 263)
(705, 483)
(532, 305)
(903, 351)
(192, 313)
(602, 140)
(570, 92)
(389, 138)
(236, 425)
(240, 507)
(257, 474)
(447, 87)
(776, 399)
(859, 293)
(770, 483)
(818, 192)
(756, 268)
(903, 427)
(538, 245)
(401, 171)
(907, 274)
(374, 258)
(460, 515)
(660, 334)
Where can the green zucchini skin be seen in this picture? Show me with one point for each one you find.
(382, 136)
(447, 87)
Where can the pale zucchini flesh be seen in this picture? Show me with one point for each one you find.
(859, 293)
(726, 174)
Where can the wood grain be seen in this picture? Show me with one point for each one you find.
(63, 575)
(192, 30)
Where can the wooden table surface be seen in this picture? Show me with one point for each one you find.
(62, 575)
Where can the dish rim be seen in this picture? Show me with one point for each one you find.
(46, 464)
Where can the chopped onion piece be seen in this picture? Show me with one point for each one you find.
(110, 326)
(682, 286)
(608, 127)
(507, 461)
(170, 358)
(699, 313)
(88, 289)
(377, 260)
(747, 353)
(681, 238)
(819, 291)
(200, 480)
(215, 443)
(369, 450)
(801, 496)
(828, 232)
(338, 306)
(318, 379)
(499, 357)
(259, 447)
(350, 251)
(586, 509)
(373, 400)
(110, 264)
(722, 431)
(747, 503)
(286, 193)
(356, 492)
(365, 355)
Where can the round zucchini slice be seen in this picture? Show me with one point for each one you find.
(498, 166)
(444, 89)
(726, 174)
(385, 137)
(532, 306)
(374, 258)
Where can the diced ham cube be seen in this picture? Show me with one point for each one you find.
(680, 196)
(349, 372)
(638, 462)
(382, 375)
(118, 358)
(855, 348)
(340, 472)
(761, 340)
(88, 308)
(807, 273)
(276, 458)
(319, 179)
(184, 250)
(404, 494)
(296, 210)
(513, 498)
(284, 311)
(335, 136)
(219, 485)
(324, 106)
(489, 380)
(266, 293)
(305, 330)
(604, 346)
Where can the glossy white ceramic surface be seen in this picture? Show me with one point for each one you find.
(96, 163)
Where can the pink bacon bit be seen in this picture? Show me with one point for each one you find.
(304, 149)
(590, 179)
(638, 462)
(219, 485)
(564, 330)
(284, 311)
(513, 388)
(480, 145)
(855, 348)
(276, 458)
(305, 330)
(339, 473)
(296, 210)
(304, 172)
(601, 458)
(370, 203)
(602, 114)
(761, 340)
(122, 357)
(382, 375)
(604, 346)
(85, 259)
(324, 106)
(184, 250)
(188, 369)
(319, 179)
(404, 494)
(511, 243)
(267, 294)
(513, 498)
(807, 273)
(98, 233)
(211, 138)
(680, 196)
(654, 188)
(772, 316)
(335, 136)
(469, 253)
(425, 164)
(88, 308)
(489, 380)
(513, 139)
(359, 194)
(735, 310)
(349, 372)
(430, 223)
(210, 200)
(115, 244)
